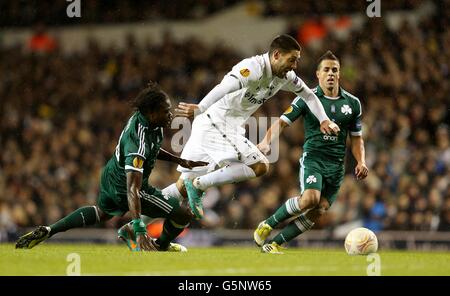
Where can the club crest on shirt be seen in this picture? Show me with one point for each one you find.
(138, 162)
(346, 109)
(245, 72)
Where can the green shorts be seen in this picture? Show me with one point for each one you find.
(321, 174)
(154, 204)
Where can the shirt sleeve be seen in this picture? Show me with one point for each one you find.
(295, 110)
(297, 86)
(136, 149)
(245, 72)
(228, 85)
(356, 125)
(239, 77)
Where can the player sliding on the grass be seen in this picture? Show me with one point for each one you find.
(322, 162)
(218, 136)
(124, 182)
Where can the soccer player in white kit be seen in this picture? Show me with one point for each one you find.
(218, 136)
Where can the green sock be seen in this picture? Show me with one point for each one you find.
(289, 209)
(170, 231)
(293, 229)
(79, 218)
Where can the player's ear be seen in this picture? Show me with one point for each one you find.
(317, 73)
(276, 54)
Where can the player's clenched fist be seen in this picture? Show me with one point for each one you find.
(328, 127)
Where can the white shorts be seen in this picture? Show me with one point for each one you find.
(218, 145)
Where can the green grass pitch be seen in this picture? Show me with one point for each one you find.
(51, 259)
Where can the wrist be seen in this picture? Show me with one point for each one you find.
(139, 227)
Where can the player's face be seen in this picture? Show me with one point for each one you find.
(285, 62)
(328, 74)
(163, 116)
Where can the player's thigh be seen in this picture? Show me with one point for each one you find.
(154, 204)
(311, 182)
(109, 202)
(310, 175)
(250, 153)
(332, 183)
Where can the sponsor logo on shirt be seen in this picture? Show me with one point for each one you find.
(330, 138)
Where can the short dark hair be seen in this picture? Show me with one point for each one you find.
(284, 43)
(329, 55)
(150, 98)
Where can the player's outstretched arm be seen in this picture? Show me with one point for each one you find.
(273, 133)
(134, 183)
(359, 153)
(316, 107)
(167, 156)
(228, 85)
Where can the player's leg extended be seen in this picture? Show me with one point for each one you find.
(81, 217)
(232, 173)
(311, 186)
(331, 183)
(176, 189)
(293, 207)
(303, 223)
(243, 162)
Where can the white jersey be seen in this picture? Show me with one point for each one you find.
(257, 85)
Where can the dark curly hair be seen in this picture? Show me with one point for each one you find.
(150, 98)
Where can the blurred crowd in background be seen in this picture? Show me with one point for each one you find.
(62, 116)
(29, 12)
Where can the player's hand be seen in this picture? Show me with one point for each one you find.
(263, 147)
(144, 244)
(186, 110)
(191, 164)
(328, 127)
(361, 171)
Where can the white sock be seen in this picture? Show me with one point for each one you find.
(173, 191)
(233, 173)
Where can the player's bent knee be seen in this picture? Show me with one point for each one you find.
(102, 216)
(310, 199)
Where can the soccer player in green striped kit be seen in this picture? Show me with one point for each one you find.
(322, 162)
(124, 182)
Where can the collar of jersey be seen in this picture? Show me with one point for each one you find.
(320, 92)
(143, 118)
(268, 66)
